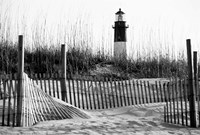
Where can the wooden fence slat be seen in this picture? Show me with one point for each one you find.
(120, 92)
(173, 100)
(89, 95)
(82, 92)
(165, 90)
(57, 86)
(134, 91)
(96, 91)
(142, 92)
(149, 91)
(74, 91)
(157, 92)
(4, 102)
(127, 92)
(154, 95)
(170, 99)
(145, 92)
(45, 85)
(138, 96)
(38, 79)
(107, 93)
(78, 93)
(113, 93)
(103, 91)
(181, 100)
(177, 98)
(123, 90)
(86, 94)
(9, 101)
(53, 85)
(186, 101)
(15, 101)
(116, 93)
(161, 91)
(131, 94)
(93, 94)
(69, 89)
(49, 83)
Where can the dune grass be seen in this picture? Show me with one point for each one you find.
(81, 61)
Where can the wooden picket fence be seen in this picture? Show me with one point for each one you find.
(101, 93)
(177, 109)
(93, 93)
(90, 93)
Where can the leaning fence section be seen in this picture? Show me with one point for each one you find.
(49, 83)
(37, 104)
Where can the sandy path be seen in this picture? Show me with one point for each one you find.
(136, 120)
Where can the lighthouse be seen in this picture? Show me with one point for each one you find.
(120, 39)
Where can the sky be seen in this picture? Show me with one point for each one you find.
(154, 25)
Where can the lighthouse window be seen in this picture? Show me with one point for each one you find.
(120, 18)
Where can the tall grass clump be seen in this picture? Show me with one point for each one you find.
(82, 61)
(152, 67)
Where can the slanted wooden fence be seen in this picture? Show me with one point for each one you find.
(37, 105)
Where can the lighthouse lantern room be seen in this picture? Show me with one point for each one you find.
(120, 35)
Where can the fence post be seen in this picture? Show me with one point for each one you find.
(195, 71)
(20, 79)
(63, 73)
(193, 122)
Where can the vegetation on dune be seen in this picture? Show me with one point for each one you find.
(45, 56)
(82, 61)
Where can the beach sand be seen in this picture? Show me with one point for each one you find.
(132, 120)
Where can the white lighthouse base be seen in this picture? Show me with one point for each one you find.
(120, 49)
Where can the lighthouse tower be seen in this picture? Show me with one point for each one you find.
(120, 27)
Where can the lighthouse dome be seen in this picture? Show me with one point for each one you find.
(120, 15)
(119, 12)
